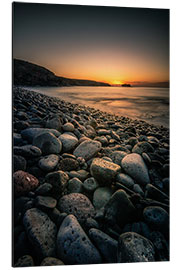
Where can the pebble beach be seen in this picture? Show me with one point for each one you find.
(89, 187)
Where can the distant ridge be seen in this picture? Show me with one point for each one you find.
(29, 74)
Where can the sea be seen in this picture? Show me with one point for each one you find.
(150, 104)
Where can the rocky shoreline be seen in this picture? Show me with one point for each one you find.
(89, 187)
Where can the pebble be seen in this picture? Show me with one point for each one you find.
(68, 164)
(28, 151)
(58, 180)
(74, 185)
(125, 179)
(24, 183)
(119, 209)
(138, 189)
(50, 261)
(68, 141)
(48, 163)
(117, 157)
(101, 196)
(43, 189)
(105, 244)
(133, 164)
(68, 127)
(54, 123)
(48, 143)
(29, 133)
(87, 149)
(104, 171)
(19, 163)
(141, 147)
(45, 203)
(90, 184)
(78, 205)
(81, 174)
(41, 232)
(74, 246)
(24, 261)
(156, 217)
(133, 247)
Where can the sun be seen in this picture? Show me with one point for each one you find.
(117, 82)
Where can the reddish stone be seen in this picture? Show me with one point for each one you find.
(24, 183)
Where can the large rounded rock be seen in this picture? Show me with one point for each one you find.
(156, 217)
(78, 205)
(41, 232)
(87, 149)
(119, 209)
(48, 163)
(105, 244)
(104, 171)
(48, 143)
(29, 133)
(54, 122)
(28, 151)
(73, 245)
(58, 180)
(141, 147)
(68, 142)
(133, 247)
(134, 165)
(69, 127)
(101, 196)
(24, 183)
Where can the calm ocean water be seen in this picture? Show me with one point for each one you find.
(144, 103)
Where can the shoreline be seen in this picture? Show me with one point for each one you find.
(84, 183)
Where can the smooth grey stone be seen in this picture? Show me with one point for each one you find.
(119, 209)
(105, 244)
(141, 147)
(104, 171)
(73, 245)
(90, 184)
(87, 149)
(133, 247)
(45, 203)
(101, 196)
(29, 133)
(133, 164)
(125, 179)
(54, 123)
(81, 174)
(138, 189)
(48, 163)
(157, 218)
(68, 127)
(74, 185)
(43, 189)
(48, 143)
(28, 151)
(68, 141)
(41, 232)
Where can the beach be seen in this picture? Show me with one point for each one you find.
(89, 186)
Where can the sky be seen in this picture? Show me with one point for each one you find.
(110, 44)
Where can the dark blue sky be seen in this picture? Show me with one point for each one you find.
(102, 43)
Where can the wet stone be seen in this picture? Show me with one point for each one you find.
(48, 163)
(74, 185)
(73, 245)
(78, 205)
(104, 171)
(43, 189)
(48, 143)
(45, 203)
(69, 142)
(90, 184)
(87, 149)
(133, 247)
(24, 183)
(133, 164)
(41, 232)
(29, 133)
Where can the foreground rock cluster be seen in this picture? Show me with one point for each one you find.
(89, 187)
